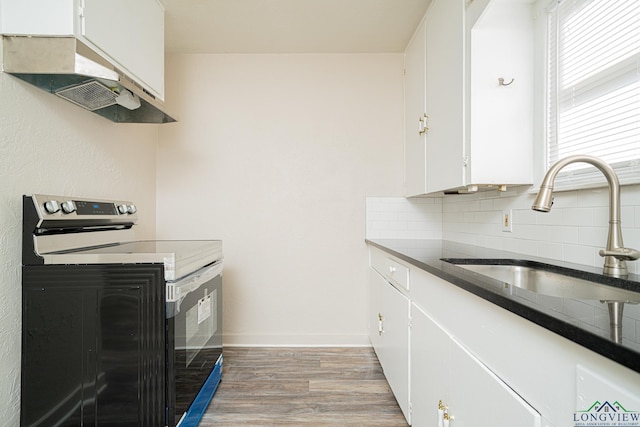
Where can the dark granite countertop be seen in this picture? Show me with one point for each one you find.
(585, 322)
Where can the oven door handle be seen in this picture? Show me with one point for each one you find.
(176, 291)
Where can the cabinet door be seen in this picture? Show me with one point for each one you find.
(395, 344)
(443, 370)
(429, 369)
(375, 312)
(480, 399)
(130, 32)
(445, 94)
(500, 43)
(44, 17)
(389, 335)
(415, 108)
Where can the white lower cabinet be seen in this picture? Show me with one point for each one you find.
(444, 372)
(429, 369)
(375, 325)
(389, 334)
(490, 367)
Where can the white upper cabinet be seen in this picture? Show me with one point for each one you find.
(130, 34)
(37, 17)
(472, 132)
(445, 94)
(499, 116)
(415, 81)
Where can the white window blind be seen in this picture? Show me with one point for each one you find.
(594, 88)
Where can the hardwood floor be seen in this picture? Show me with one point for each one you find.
(302, 387)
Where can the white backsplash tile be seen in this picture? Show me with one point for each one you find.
(574, 230)
(592, 236)
(577, 217)
(564, 234)
(401, 218)
(550, 250)
(577, 254)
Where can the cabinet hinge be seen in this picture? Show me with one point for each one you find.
(465, 161)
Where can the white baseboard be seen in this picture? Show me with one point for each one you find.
(248, 340)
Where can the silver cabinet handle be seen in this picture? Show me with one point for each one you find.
(423, 126)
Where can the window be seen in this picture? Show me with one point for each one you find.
(594, 87)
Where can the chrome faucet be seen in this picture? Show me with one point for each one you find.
(615, 255)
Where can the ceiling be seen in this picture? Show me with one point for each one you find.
(290, 26)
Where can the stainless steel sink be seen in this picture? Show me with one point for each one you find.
(545, 279)
(551, 283)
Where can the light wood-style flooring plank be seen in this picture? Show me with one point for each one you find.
(303, 387)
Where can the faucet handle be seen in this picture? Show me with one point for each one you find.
(626, 254)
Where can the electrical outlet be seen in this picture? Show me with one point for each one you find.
(507, 221)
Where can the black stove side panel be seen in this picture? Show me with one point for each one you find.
(93, 345)
(30, 221)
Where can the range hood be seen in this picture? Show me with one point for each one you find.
(68, 68)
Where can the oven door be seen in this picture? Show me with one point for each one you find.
(194, 329)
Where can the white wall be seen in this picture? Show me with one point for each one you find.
(48, 145)
(277, 153)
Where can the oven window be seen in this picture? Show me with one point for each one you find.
(201, 324)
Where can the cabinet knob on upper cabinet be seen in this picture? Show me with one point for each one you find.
(51, 206)
(68, 206)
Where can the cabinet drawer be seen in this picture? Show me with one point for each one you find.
(390, 269)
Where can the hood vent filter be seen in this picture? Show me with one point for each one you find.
(91, 96)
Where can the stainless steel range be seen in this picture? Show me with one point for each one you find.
(116, 331)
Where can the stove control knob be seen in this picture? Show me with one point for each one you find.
(131, 209)
(122, 209)
(51, 206)
(68, 206)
